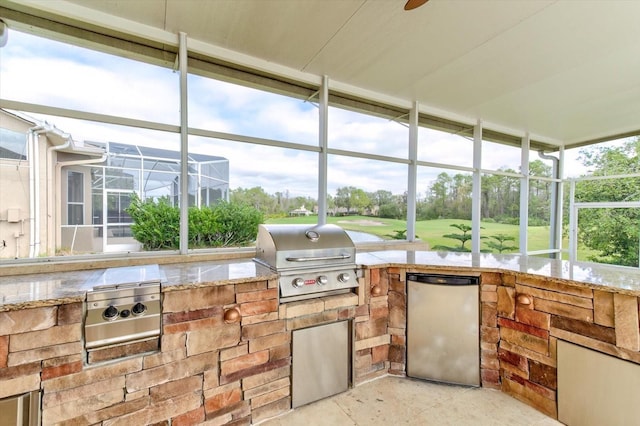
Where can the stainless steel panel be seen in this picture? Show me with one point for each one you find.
(99, 332)
(443, 336)
(320, 362)
(303, 246)
(596, 389)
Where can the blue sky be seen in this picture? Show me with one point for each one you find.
(46, 72)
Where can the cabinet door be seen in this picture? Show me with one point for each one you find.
(596, 389)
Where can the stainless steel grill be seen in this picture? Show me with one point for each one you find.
(123, 306)
(312, 261)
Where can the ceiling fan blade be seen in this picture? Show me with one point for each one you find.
(412, 4)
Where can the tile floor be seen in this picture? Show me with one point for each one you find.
(392, 400)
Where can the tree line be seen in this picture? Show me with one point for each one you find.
(448, 196)
(614, 233)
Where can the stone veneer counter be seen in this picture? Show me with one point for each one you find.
(36, 290)
(617, 279)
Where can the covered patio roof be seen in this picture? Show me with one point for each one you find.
(563, 71)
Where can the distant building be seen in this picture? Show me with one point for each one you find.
(301, 211)
(58, 195)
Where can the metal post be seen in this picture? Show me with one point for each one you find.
(184, 147)
(322, 156)
(477, 189)
(524, 194)
(413, 173)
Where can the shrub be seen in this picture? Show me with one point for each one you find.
(156, 224)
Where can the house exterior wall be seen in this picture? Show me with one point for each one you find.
(14, 196)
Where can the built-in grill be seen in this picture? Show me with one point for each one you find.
(312, 260)
(123, 312)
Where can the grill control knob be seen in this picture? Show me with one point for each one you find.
(298, 282)
(138, 309)
(322, 280)
(110, 313)
(344, 277)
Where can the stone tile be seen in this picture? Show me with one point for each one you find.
(197, 298)
(603, 308)
(532, 317)
(371, 328)
(206, 340)
(266, 377)
(116, 410)
(261, 343)
(154, 360)
(64, 396)
(80, 406)
(584, 300)
(4, 350)
(26, 320)
(589, 329)
(543, 374)
(236, 364)
(253, 370)
(55, 351)
(159, 411)
(489, 314)
(173, 371)
(254, 319)
(275, 408)
(252, 331)
(70, 313)
(260, 307)
(373, 341)
(525, 328)
(49, 337)
(268, 398)
(254, 296)
(234, 352)
(176, 387)
(525, 340)
(61, 370)
(563, 309)
(267, 388)
(121, 351)
(189, 418)
(506, 302)
(18, 385)
(340, 301)
(302, 308)
(222, 399)
(537, 397)
(626, 322)
(183, 316)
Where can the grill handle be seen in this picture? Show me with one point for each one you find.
(313, 259)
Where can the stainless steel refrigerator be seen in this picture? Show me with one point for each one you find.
(443, 328)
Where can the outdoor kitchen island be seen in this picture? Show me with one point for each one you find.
(225, 352)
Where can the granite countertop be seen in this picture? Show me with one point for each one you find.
(619, 279)
(35, 290)
(27, 291)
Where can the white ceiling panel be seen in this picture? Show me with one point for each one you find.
(565, 71)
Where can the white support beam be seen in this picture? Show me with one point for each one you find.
(323, 155)
(184, 148)
(412, 173)
(477, 188)
(524, 194)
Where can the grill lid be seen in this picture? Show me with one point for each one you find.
(303, 246)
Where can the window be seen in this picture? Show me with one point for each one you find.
(75, 198)
(13, 145)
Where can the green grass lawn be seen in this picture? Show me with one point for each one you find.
(432, 231)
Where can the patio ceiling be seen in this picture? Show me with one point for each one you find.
(565, 71)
